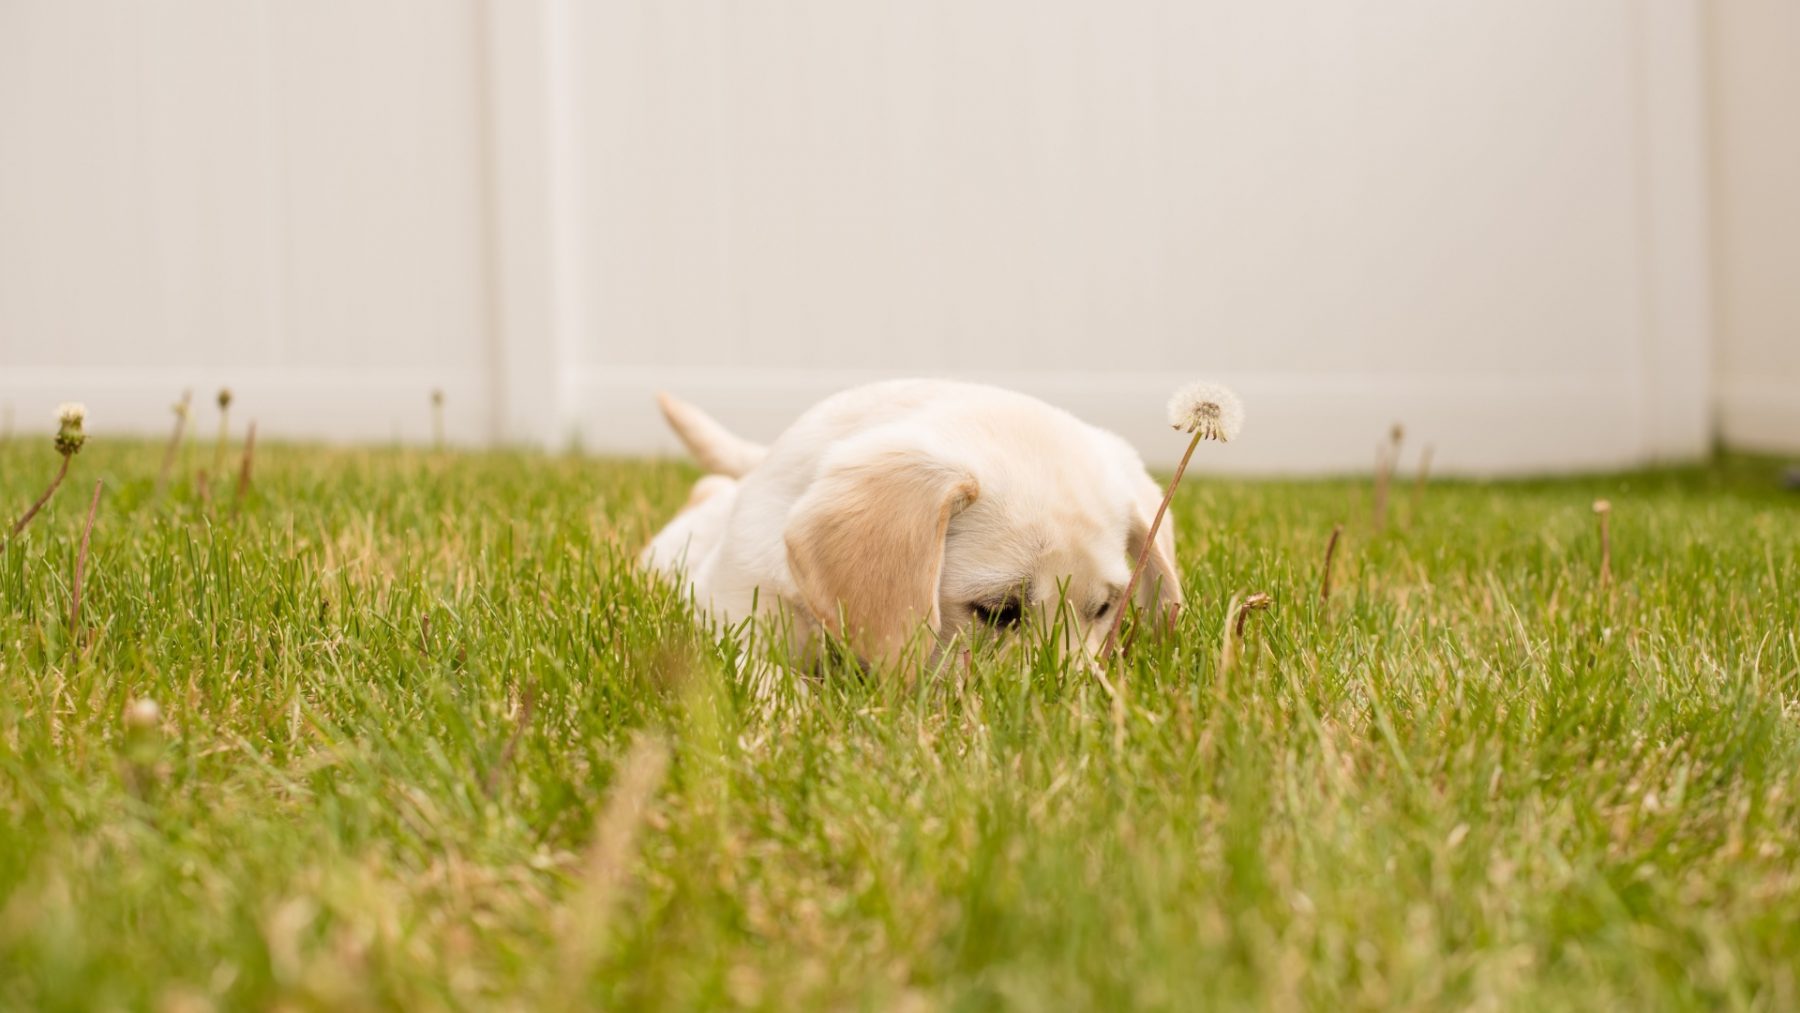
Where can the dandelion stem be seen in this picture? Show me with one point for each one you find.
(490, 785)
(1603, 510)
(243, 482)
(1118, 717)
(168, 463)
(1605, 553)
(224, 431)
(1419, 480)
(1143, 560)
(45, 498)
(1385, 460)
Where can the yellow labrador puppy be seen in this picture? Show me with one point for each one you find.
(902, 512)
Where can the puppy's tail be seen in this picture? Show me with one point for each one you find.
(716, 448)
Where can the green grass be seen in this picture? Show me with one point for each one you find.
(416, 710)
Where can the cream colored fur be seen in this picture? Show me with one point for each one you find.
(904, 513)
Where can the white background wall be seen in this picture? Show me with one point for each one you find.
(1488, 219)
(1755, 55)
(286, 197)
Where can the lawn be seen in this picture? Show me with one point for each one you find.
(426, 739)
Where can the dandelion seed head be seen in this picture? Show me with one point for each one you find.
(70, 415)
(1208, 409)
(142, 714)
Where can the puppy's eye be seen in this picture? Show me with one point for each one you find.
(1114, 595)
(1001, 614)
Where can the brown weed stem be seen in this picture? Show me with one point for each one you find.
(1255, 603)
(1237, 619)
(1337, 531)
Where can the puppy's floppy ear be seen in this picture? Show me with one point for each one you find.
(1160, 586)
(865, 543)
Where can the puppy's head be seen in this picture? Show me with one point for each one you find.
(1005, 527)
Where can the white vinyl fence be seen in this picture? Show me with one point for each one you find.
(1490, 220)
